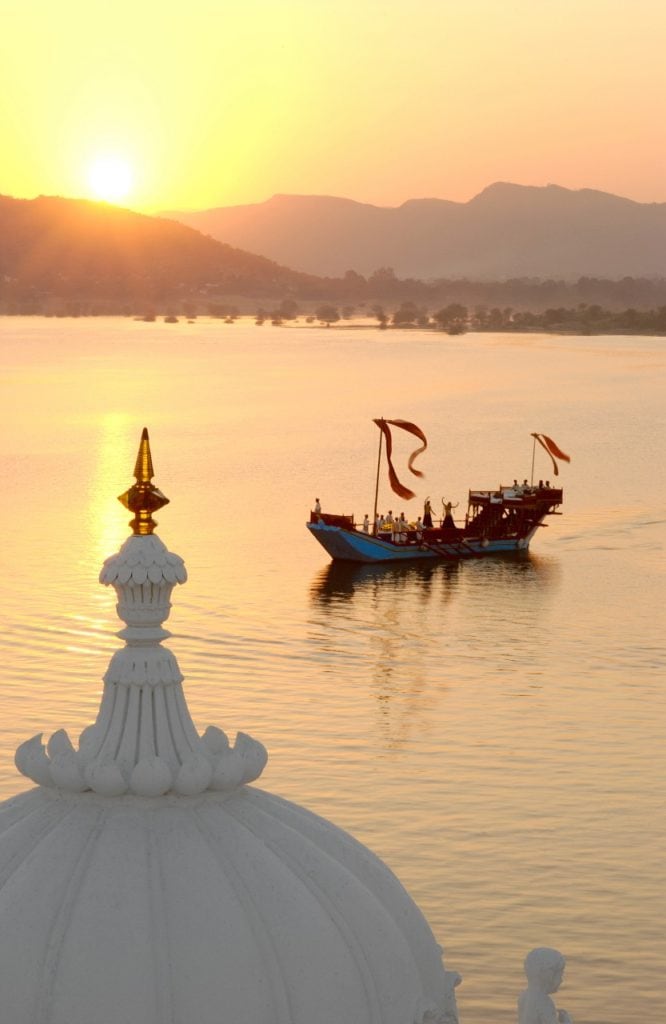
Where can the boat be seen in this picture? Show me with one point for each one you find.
(497, 521)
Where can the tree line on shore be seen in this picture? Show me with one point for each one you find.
(28, 294)
(454, 318)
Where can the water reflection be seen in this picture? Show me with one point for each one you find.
(112, 467)
(523, 571)
(339, 581)
(416, 628)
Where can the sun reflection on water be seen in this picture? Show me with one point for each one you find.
(112, 471)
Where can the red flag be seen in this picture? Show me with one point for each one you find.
(400, 489)
(553, 450)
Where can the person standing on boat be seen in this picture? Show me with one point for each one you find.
(419, 529)
(379, 523)
(389, 519)
(427, 514)
(317, 507)
(366, 524)
(448, 507)
(402, 529)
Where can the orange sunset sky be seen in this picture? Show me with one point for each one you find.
(216, 102)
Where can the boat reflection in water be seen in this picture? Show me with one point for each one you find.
(409, 634)
(340, 581)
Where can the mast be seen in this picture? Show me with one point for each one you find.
(533, 454)
(379, 460)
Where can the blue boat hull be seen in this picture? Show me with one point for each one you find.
(352, 546)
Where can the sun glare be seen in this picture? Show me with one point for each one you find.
(110, 178)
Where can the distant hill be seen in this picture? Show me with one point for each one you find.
(74, 257)
(72, 248)
(506, 231)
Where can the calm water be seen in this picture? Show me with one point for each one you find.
(494, 730)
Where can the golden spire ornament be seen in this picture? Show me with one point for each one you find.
(143, 498)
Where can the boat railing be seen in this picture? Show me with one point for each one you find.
(520, 493)
(344, 522)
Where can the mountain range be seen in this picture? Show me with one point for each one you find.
(51, 246)
(506, 231)
(63, 256)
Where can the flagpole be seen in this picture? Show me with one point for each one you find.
(379, 460)
(533, 454)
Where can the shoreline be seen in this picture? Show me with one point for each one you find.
(169, 319)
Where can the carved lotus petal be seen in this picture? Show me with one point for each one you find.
(109, 571)
(88, 741)
(59, 743)
(124, 573)
(194, 776)
(151, 777)
(67, 774)
(228, 771)
(216, 741)
(105, 779)
(169, 573)
(139, 574)
(31, 760)
(254, 756)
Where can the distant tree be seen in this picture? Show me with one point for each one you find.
(354, 283)
(383, 283)
(479, 318)
(327, 315)
(495, 320)
(405, 315)
(379, 313)
(287, 310)
(454, 316)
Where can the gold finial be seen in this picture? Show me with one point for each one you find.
(143, 498)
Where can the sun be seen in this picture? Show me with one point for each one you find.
(110, 178)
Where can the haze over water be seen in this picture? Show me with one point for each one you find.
(493, 730)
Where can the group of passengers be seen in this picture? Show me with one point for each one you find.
(396, 527)
(527, 488)
(401, 531)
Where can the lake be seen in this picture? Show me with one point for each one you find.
(493, 730)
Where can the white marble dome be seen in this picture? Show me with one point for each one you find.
(235, 908)
(144, 881)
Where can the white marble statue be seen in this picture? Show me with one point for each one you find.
(544, 969)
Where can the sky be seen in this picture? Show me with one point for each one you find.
(220, 102)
